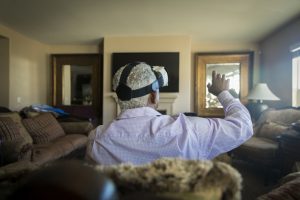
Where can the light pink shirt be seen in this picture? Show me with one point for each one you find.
(142, 135)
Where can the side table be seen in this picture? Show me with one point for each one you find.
(289, 147)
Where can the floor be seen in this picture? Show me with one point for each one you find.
(253, 180)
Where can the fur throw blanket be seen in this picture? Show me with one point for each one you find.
(170, 178)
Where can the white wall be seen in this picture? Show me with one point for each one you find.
(181, 44)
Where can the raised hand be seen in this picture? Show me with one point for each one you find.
(219, 84)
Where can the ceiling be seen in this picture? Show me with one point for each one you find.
(87, 21)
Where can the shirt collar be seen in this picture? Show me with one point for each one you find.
(138, 112)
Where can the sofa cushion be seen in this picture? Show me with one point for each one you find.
(83, 127)
(290, 177)
(60, 147)
(43, 128)
(17, 169)
(18, 120)
(13, 147)
(284, 116)
(271, 130)
(258, 148)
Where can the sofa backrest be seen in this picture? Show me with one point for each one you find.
(274, 122)
(282, 116)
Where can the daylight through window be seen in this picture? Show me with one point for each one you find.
(296, 75)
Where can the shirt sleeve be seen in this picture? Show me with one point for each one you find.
(91, 138)
(218, 135)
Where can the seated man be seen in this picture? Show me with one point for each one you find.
(140, 134)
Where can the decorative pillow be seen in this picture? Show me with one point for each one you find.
(271, 130)
(13, 147)
(174, 178)
(43, 128)
(18, 120)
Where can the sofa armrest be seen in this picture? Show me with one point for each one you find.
(288, 190)
(77, 127)
(16, 169)
(290, 177)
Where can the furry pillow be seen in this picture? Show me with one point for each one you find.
(13, 147)
(43, 128)
(174, 178)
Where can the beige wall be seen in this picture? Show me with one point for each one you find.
(277, 62)
(61, 49)
(181, 44)
(4, 69)
(30, 65)
(28, 72)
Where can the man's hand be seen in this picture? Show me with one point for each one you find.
(218, 85)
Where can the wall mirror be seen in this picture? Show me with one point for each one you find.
(236, 66)
(77, 86)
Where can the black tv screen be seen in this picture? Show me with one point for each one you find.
(170, 60)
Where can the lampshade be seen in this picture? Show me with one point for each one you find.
(261, 92)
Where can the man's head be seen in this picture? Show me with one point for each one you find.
(137, 85)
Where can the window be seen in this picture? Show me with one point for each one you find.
(296, 75)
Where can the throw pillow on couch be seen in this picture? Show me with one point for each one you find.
(13, 133)
(43, 128)
(13, 147)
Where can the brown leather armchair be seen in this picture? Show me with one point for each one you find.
(263, 147)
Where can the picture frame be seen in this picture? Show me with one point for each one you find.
(206, 104)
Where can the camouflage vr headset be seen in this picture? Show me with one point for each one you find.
(125, 93)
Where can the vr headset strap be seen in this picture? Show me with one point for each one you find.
(126, 71)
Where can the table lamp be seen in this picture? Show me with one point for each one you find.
(259, 93)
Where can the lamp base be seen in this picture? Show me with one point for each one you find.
(255, 109)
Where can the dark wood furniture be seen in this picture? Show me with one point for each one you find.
(81, 106)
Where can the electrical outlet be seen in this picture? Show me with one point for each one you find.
(19, 99)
